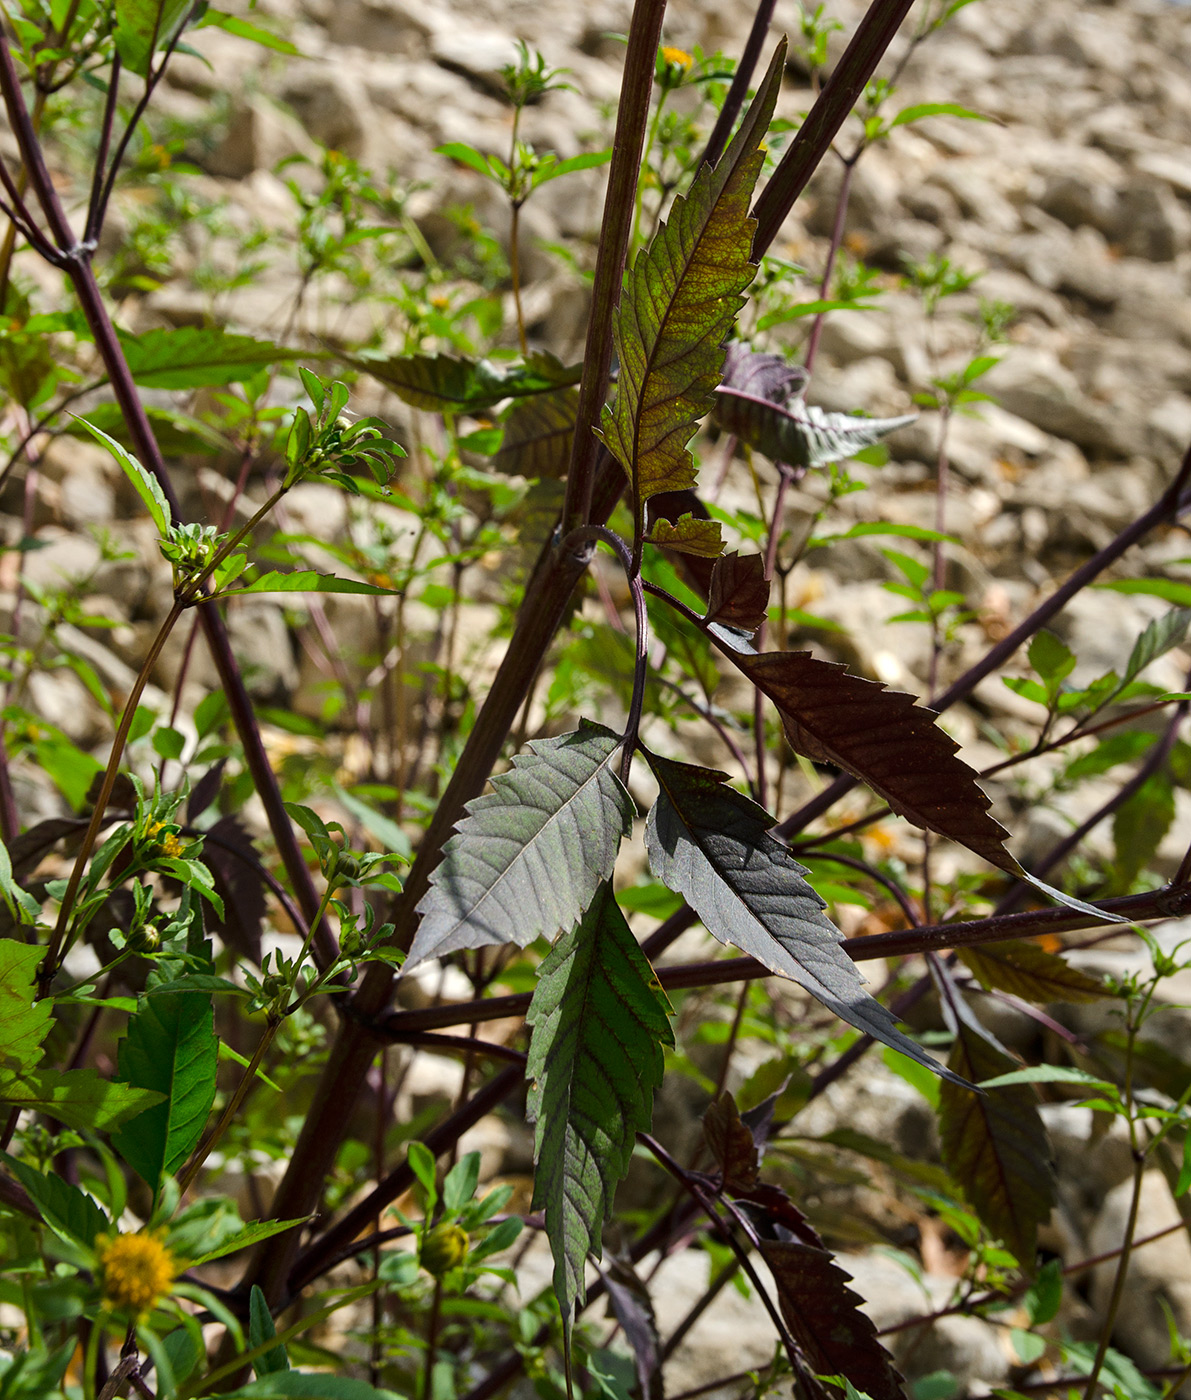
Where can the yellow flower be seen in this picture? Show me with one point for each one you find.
(136, 1270)
(169, 844)
(679, 57)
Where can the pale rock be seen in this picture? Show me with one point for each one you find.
(1032, 384)
(1077, 199)
(259, 136)
(58, 697)
(402, 27)
(1158, 1273)
(1091, 1156)
(331, 108)
(1151, 223)
(477, 52)
(1172, 170)
(262, 645)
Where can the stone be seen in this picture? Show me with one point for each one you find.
(259, 136)
(1151, 223)
(402, 27)
(1032, 384)
(331, 109)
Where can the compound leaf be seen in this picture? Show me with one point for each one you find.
(599, 1019)
(1025, 970)
(798, 433)
(677, 307)
(712, 845)
(883, 738)
(994, 1144)
(170, 1047)
(527, 859)
(824, 1317)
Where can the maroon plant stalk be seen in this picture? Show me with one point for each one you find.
(76, 263)
(738, 91)
(837, 238)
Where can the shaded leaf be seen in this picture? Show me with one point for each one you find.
(883, 738)
(799, 434)
(64, 1207)
(823, 1316)
(261, 1329)
(1140, 823)
(739, 592)
(633, 1308)
(712, 845)
(538, 433)
(26, 1022)
(175, 433)
(239, 885)
(170, 1047)
(1163, 633)
(445, 384)
(245, 1238)
(527, 859)
(764, 376)
(78, 1097)
(308, 1385)
(688, 535)
(677, 307)
(732, 1143)
(27, 850)
(994, 1145)
(1025, 970)
(599, 1019)
(145, 27)
(193, 357)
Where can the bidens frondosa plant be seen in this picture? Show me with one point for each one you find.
(213, 969)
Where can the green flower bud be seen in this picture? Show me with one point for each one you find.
(443, 1248)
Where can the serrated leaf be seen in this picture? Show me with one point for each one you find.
(170, 1047)
(26, 1022)
(883, 738)
(633, 1308)
(677, 307)
(764, 376)
(527, 859)
(824, 1317)
(994, 1145)
(77, 1097)
(799, 434)
(1140, 823)
(1025, 970)
(145, 27)
(732, 1144)
(1159, 637)
(261, 1329)
(306, 581)
(245, 1238)
(537, 436)
(63, 1207)
(146, 485)
(599, 1019)
(688, 535)
(194, 357)
(738, 595)
(712, 845)
(446, 384)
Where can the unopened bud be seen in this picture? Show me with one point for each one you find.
(443, 1248)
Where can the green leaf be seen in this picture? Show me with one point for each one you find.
(145, 27)
(537, 436)
(712, 845)
(600, 1020)
(26, 1022)
(147, 487)
(63, 1207)
(444, 384)
(1158, 638)
(194, 357)
(688, 535)
(306, 581)
(678, 306)
(1140, 823)
(307, 1385)
(1052, 659)
(799, 434)
(587, 161)
(1168, 588)
(1025, 970)
(466, 155)
(529, 856)
(1047, 1074)
(170, 1047)
(79, 1097)
(261, 1329)
(21, 904)
(1045, 1294)
(935, 109)
(994, 1145)
(242, 29)
(245, 1238)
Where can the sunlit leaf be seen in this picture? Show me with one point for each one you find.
(600, 1020)
(738, 595)
(77, 1097)
(688, 535)
(146, 485)
(799, 434)
(193, 357)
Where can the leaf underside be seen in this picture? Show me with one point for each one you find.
(1025, 970)
(883, 738)
(599, 1020)
(688, 535)
(995, 1146)
(526, 860)
(538, 433)
(678, 304)
(824, 1318)
(739, 592)
(799, 434)
(763, 375)
(712, 845)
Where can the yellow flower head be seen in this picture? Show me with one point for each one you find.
(136, 1270)
(679, 57)
(168, 844)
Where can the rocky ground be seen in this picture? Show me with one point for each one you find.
(1074, 203)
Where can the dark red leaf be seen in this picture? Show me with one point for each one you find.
(883, 738)
(739, 592)
(26, 850)
(732, 1144)
(205, 791)
(230, 856)
(633, 1308)
(824, 1318)
(771, 377)
(1027, 971)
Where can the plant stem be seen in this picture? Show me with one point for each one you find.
(837, 238)
(738, 91)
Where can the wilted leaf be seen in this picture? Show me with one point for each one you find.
(688, 535)
(527, 859)
(538, 433)
(678, 304)
(824, 1318)
(732, 1143)
(1025, 970)
(739, 592)
(799, 434)
(712, 845)
(599, 1019)
(883, 738)
(994, 1145)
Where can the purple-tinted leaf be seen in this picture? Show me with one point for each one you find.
(797, 433)
(739, 592)
(770, 377)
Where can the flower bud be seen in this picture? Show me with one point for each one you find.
(443, 1248)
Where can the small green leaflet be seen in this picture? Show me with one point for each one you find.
(677, 308)
(260, 1330)
(712, 845)
(600, 1020)
(526, 860)
(21, 904)
(147, 487)
(305, 581)
(244, 1239)
(170, 1047)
